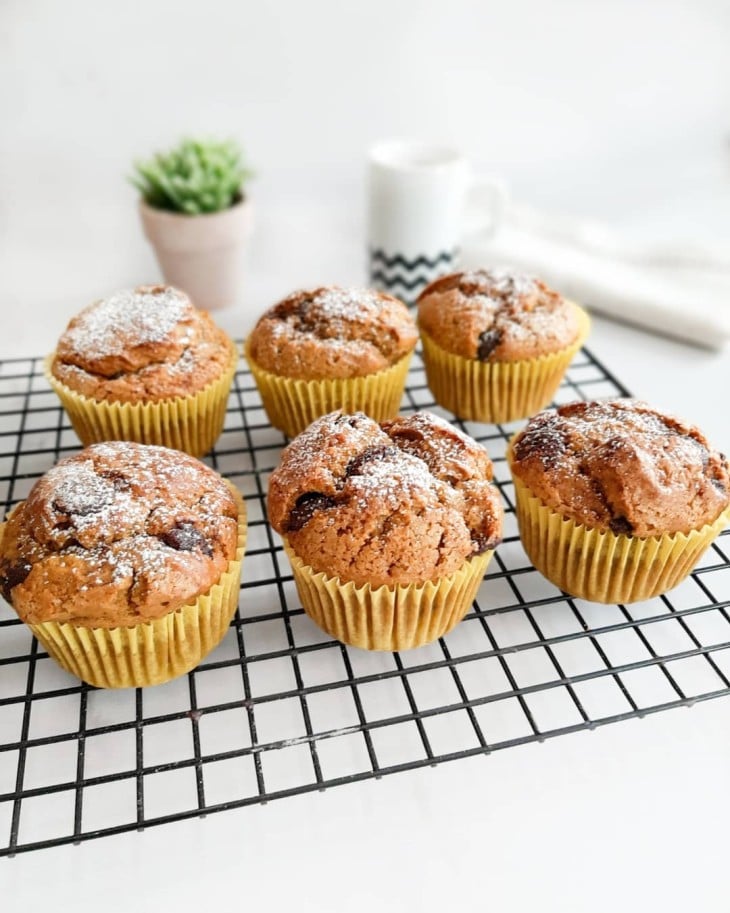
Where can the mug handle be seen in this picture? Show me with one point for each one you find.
(485, 206)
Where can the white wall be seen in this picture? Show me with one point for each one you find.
(616, 109)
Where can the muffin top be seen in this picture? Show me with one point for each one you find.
(118, 534)
(402, 502)
(495, 315)
(332, 332)
(623, 466)
(147, 343)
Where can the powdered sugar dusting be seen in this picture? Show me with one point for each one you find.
(147, 314)
(354, 432)
(567, 437)
(499, 281)
(333, 316)
(518, 308)
(99, 505)
(352, 304)
(434, 427)
(395, 477)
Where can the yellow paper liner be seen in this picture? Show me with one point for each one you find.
(602, 566)
(292, 405)
(191, 423)
(153, 652)
(500, 391)
(387, 618)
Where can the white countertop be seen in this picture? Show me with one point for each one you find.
(631, 816)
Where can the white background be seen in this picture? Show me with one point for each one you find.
(616, 110)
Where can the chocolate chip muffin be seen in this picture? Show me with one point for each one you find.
(145, 365)
(331, 348)
(389, 527)
(616, 501)
(125, 562)
(496, 344)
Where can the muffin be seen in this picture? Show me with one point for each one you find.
(616, 501)
(331, 348)
(125, 562)
(145, 365)
(389, 527)
(496, 344)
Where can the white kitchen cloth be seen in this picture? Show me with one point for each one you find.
(678, 290)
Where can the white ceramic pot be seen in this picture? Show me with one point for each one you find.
(202, 255)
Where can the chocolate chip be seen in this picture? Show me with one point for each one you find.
(352, 421)
(547, 444)
(118, 479)
(82, 503)
(484, 543)
(355, 465)
(185, 537)
(305, 508)
(294, 306)
(621, 526)
(488, 342)
(11, 575)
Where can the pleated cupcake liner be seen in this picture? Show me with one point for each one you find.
(500, 391)
(400, 617)
(190, 423)
(603, 566)
(152, 652)
(292, 404)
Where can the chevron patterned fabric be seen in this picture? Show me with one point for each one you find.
(406, 277)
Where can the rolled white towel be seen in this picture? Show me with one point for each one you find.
(687, 297)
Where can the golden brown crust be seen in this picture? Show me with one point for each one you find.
(623, 466)
(333, 333)
(493, 315)
(145, 344)
(403, 502)
(118, 534)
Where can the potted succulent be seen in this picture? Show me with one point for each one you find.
(197, 217)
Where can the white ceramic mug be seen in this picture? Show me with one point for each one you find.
(423, 200)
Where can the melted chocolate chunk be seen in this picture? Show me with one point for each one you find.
(291, 307)
(295, 306)
(483, 543)
(546, 444)
(488, 342)
(621, 526)
(355, 465)
(11, 575)
(82, 505)
(306, 507)
(118, 480)
(185, 537)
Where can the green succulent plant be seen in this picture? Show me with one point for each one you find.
(195, 177)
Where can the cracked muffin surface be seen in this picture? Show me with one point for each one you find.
(144, 344)
(624, 466)
(496, 315)
(402, 502)
(118, 534)
(333, 332)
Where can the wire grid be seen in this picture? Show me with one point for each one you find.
(279, 708)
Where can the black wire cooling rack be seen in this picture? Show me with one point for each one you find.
(279, 708)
